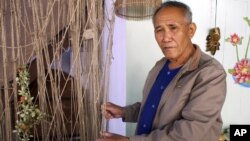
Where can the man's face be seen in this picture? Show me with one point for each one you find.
(173, 32)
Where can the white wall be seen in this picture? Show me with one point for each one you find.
(230, 19)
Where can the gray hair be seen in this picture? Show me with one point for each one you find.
(186, 9)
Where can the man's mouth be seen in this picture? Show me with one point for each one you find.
(166, 48)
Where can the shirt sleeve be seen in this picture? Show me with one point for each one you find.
(200, 113)
(132, 112)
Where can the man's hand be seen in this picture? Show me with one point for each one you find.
(106, 136)
(111, 110)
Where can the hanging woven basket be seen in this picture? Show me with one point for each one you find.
(136, 9)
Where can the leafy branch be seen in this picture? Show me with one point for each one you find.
(28, 113)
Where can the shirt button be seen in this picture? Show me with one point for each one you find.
(153, 106)
(162, 87)
(144, 125)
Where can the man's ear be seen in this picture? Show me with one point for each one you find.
(191, 30)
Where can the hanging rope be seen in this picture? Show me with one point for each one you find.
(36, 34)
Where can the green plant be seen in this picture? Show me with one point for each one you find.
(226, 133)
(28, 113)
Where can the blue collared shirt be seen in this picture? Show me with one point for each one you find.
(149, 110)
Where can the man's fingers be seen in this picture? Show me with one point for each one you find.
(108, 115)
(105, 134)
(105, 112)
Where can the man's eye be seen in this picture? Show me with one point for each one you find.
(158, 30)
(173, 27)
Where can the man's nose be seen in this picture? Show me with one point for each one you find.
(167, 36)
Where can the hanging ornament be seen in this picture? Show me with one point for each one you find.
(213, 37)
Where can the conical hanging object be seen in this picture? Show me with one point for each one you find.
(213, 36)
(136, 9)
